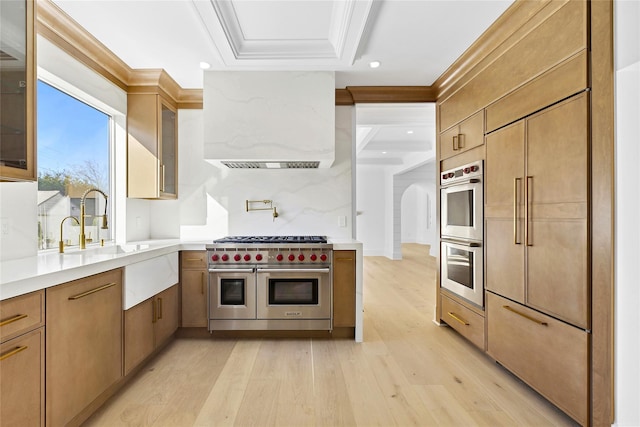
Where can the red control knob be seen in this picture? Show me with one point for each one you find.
(323, 257)
(474, 168)
(292, 257)
(247, 257)
(259, 257)
(214, 257)
(236, 257)
(466, 170)
(313, 257)
(451, 174)
(445, 176)
(279, 257)
(301, 257)
(225, 257)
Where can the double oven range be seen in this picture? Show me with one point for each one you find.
(462, 232)
(270, 283)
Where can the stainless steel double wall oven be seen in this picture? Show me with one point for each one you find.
(462, 231)
(270, 283)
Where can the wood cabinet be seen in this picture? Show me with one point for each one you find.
(18, 92)
(83, 344)
(464, 136)
(22, 383)
(194, 276)
(148, 325)
(549, 355)
(344, 289)
(465, 321)
(152, 146)
(537, 209)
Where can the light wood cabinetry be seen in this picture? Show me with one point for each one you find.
(462, 137)
(549, 355)
(344, 288)
(22, 383)
(194, 276)
(464, 320)
(83, 344)
(18, 92)
(536, 211)
(148, 325)
(152, 147)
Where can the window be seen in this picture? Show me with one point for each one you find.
(74, 141)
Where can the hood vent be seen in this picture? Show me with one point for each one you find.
(272, 165)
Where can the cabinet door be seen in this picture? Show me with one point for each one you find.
(84, 343)
(504, 210)
(138, 333)
(194, 298)
(449, 143)
(166, 314)
(168, 150)
(557, 175)
(466, 135)
(22, 383)
(344, 289)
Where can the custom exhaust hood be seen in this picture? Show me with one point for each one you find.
(269, 119)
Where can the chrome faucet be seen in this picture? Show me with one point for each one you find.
(61, 243)
(82, 215)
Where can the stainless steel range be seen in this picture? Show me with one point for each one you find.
(270, 283)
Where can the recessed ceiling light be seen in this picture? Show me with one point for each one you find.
(410, 132)
(205, 65)
(374, 64)
(384, 152)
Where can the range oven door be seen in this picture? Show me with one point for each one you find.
(461, 212)
(303, 293)
(462, 271)
(232, 293)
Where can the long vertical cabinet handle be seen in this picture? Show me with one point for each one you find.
(202, 284)
(162, 184)
(460, 141)
(455, 143)
(515, 211)
(154, 304)
(527, 189)
(159, 308)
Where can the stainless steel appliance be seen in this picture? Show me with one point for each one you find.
(270, 283)
(462, 232)
(462, 202)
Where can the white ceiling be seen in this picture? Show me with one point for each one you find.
(415, 41)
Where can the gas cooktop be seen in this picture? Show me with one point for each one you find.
(272, 239)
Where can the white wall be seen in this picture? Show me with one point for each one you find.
(371, 200)
(627, 236)
(418, 215)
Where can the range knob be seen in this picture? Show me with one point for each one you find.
(259, 257)
(279, 257)
(466, 170)
(292, 257)
(236, 257)
(313, 257)
(214, 257)
(225, 257)
(300, 257)
(323, 257)
(451, 174)
(247, 257)
(445, 176)
(474, 168)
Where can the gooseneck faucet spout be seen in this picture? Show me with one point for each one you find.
(82, 215)
(61, 242)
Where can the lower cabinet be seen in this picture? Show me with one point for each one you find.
(22, 380)
(551, 356)
(83, 344)
(148, 325)
(344, 289)
(465, 321)
(193, 278)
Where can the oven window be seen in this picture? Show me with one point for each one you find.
(460, 208)
(460, 266)
(232, 292)
(293, 291)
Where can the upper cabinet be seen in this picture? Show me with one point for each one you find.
(152, 146)
(17, 91)
(464, 136)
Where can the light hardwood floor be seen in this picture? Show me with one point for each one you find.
(407, 372)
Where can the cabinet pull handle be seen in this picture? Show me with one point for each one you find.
(344, 259)
(460, 141)
(526, 316)
(13, 319)
(455, 143)
(92, 291)
(162, 178)
(526, 210)
(154, 304)
(515, 211)
(193, 259)
(13, 352)
(458, 318)
(159, 308)
(202, 284)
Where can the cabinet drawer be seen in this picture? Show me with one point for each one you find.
(194, 259)
(468, 323)
(551, 356)
(21, 314)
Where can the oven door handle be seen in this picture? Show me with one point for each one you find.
(294, 270)
(467, 181)
(463, 243)
(231, 270)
